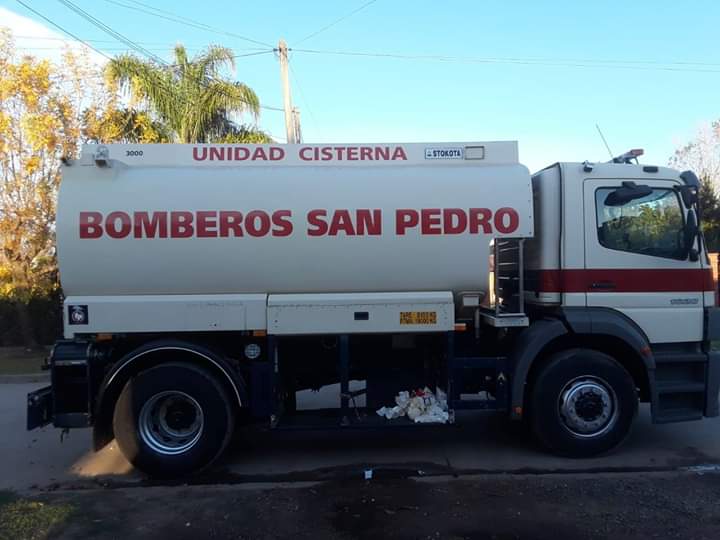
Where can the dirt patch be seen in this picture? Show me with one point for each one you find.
(677, 505)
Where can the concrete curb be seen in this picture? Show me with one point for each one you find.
(43, 377)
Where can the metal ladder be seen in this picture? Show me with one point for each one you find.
(508, 304)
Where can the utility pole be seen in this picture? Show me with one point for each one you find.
(291, 128)
(296, 123)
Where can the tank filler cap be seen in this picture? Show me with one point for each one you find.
(102, 156)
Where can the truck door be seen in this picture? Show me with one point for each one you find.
(635, 261)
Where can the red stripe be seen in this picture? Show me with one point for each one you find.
(625, 280)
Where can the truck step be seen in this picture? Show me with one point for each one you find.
(680, 358)
(674, 387)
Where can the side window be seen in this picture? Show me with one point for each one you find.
(651, 225)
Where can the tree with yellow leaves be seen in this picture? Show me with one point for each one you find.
(107, 120)
(39, 124)
(45, 112)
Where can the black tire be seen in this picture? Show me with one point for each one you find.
(161, 385)
(567, 374)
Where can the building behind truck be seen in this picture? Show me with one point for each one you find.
(206, 285)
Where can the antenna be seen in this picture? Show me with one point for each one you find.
(604, 141)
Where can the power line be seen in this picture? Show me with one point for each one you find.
(75, 37)
(403, 56)
(258, 53)
(52, 38)
(302, 95)
(336, 21)
(607, 64)
(121, 49)
(86, 42)
(169, 16)
(66, 40)
(43, 17)
(158, 10)
(105, 28)
(269, 108)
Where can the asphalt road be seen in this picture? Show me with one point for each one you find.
(633, 506)
(39, 459)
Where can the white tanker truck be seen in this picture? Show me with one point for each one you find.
(207, 285)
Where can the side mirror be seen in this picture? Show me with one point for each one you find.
(689, 195)
(690, 233)
(628, 192)
(690, 179)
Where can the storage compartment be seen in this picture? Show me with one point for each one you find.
(360, 313)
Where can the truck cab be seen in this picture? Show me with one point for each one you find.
(626, 252)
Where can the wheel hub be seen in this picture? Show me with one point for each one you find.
(180, 415)
(588, 406)
(171, 422)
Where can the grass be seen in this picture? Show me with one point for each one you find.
(18, 360)
(27, 519)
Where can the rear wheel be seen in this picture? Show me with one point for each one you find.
(173, 419)
(583, 403)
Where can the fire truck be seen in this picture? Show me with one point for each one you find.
(207, 286)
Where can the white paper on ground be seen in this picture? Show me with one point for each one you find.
(423, 407)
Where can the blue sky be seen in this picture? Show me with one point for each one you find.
(647, 71)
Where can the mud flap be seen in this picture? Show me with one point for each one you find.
(39, 408)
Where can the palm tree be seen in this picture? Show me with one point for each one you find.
(189, 95)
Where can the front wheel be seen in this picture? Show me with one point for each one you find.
(172, 420)
(583, 403)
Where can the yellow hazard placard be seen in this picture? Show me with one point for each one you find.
(418, 317)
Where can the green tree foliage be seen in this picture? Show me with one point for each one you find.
(651, 225)
(702, 156)
(245, 134)
(122, 125)
(710, 214)
(190, 96)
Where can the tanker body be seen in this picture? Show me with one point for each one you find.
(216, 228)
(206, 285)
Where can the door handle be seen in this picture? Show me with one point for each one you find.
(603, 285)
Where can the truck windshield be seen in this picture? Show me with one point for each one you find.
(651, 225)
